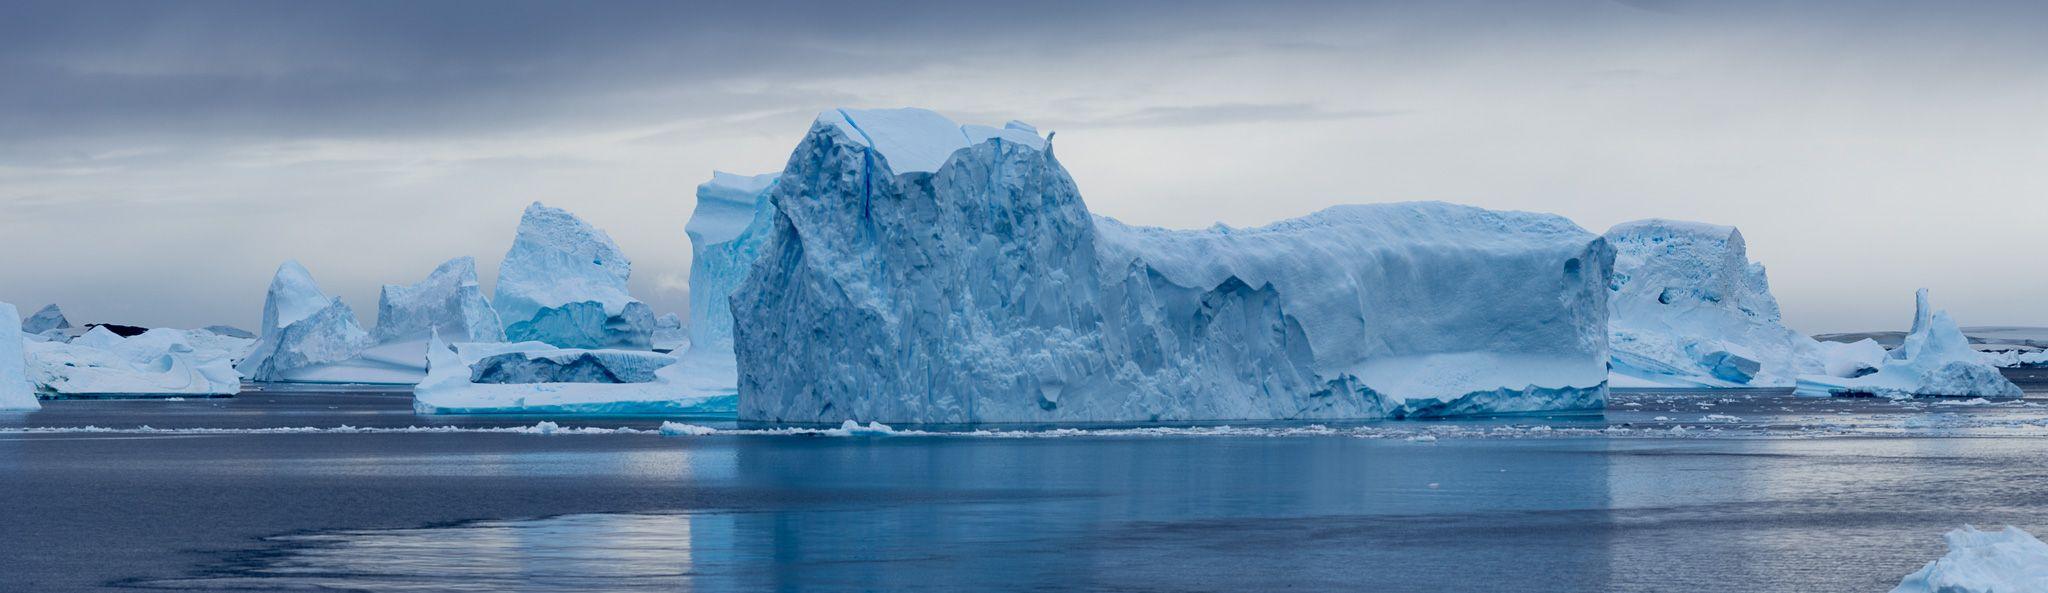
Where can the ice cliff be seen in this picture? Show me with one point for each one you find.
(922, 271)
(302, 328)
(1689, 309)
(1935, 360)
(15, 393)
(564, 283)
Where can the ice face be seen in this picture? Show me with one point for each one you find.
(450, 301)
(15, 393)
(899, 284)
(1983, 562)
(1935, 360)
(732, 219)
(46, 319)
(564, 283)
(1690, 309)
(157, 362)
(535, 377)
(302, 328)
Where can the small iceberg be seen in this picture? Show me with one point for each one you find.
(1935, 360)
(536, 378)
(2008, 561)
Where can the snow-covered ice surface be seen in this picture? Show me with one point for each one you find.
(1852, 359)
(1690, 309)
(45, 319)
(159, 362)
(2005, 561)
(302, 328)
(901, 284)
(564, 283)
(450, 301)
(15, 393)
(1935, 360)
(538, 378)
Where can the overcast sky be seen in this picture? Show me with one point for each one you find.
(158, 159)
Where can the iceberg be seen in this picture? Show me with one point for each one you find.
(305, 331)
(2006, 561)
(158, 362)
(731, 221)
(1935, 360)
(15, 393)
(1852, 359)
(46, 319)
(1689, 309)
(669, 334)
(919, 271)
(450, 301)
(564, 283)
(539, 378)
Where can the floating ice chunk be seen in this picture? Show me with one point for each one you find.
(1689, 308)
(535, 377)
(564, 283)
(157, 362)
(986, 292)
(15, 393)
(2008, 561)
(680, 429)
(450, 301)
(46, 319)
(1935, 360)
(302, 328)
(1853, 359)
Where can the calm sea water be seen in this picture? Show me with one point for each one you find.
(1726, 491)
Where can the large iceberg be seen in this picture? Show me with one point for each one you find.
(1690, 309)
(158, 362)
(450, 301)
(46, 319)
(305, 334)
(2008, 561)
(1935, 360)
(923, 271)
(728, 227)
(539, 378)
(15, 393)
(564, 283)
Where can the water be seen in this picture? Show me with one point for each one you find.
(1731, 491)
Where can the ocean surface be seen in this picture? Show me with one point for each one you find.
(345, 489)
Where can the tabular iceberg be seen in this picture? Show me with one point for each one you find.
(303, 329)
(46, 319)
(538, 378)
(1935, 360)
(158, 362)
(1690, 309)
(15, 393)
(922, 271)
(2005, 561)
(564, 283)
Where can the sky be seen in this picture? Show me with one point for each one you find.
(158, 160)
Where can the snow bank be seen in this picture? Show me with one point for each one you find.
(919, 271)
(2008, 561)
(1690, 309)
(536, 377)
(15, 393)
(158, 362)
(1935, 360)
(564, 283)
(302, 328)
(46, 319)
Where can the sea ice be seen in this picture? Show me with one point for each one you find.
(2008, 561)
(302, 328)
(919, 271)
(1935, 360)
(49, 318)
(1690, 309)
(536, 378)
(564, 283)
(15, 393)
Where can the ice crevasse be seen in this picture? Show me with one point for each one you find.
(918, 270)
